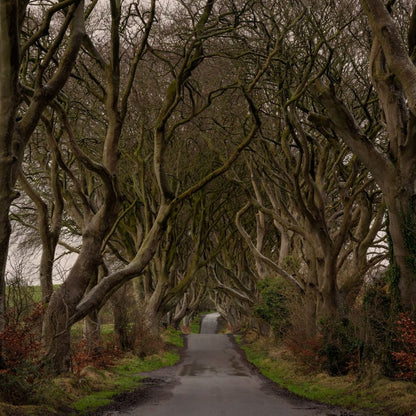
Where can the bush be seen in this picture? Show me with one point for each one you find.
(307, 351)
(101, 356)
(341, 347)
(21, 351)
(336, 348)
(406, 356)
(273, 306)
(380, 328)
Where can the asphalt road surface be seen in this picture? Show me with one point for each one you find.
(214, 379)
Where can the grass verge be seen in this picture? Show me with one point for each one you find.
(125, 376)
(372, 393)
(92, 387)
(195, 326)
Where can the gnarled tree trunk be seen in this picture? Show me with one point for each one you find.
(9, 67)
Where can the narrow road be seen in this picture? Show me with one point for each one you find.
(214, 380)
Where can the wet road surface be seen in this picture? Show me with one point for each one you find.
(215, 380)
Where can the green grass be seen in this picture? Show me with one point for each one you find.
(107, 331)
(195, 326)
(124, 377)
(376, 394)
(173, 337)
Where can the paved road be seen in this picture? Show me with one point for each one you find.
(214, 380)
(209, 324)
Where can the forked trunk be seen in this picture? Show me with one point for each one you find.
(62, 305)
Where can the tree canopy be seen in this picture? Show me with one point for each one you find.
(208, 151)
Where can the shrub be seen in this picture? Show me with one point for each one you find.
(307, 351)
(21, 351)
(380, 328)
(405, 358)
(341, 346)
(336, 349)
(101, 356)
(147, 343)
(273, 306)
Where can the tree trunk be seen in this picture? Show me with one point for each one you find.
(56, 328)
(187, 320)
(152, 315)
(46, 272)
(56, 333)
(121, 320)
(402, 222)
(328, 305)
(9, 68)
(91, 332)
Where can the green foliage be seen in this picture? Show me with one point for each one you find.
(408, 224)
(195, 326)
(22, 384)
(173, 337)
(291, 264)
(273, 306)
(380, 316)
(341, 347)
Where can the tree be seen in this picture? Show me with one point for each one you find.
(19, 117)
(71, 302)
(96, 217)
(302, 177)
(8, 107)
(390, 153)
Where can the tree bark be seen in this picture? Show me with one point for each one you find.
(62, 305)
(402, 221)
(396, 177)
(121, 319)
(13, 138)
(9, 67)
(91, 332)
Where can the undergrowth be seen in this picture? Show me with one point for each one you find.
(123, 377)
(373, 392)
(98, 373)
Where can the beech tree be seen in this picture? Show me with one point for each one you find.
(22, 103)
(302, 177)
(71, 302)
(45, 190)
(389, 153)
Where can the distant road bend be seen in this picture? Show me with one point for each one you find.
(214, 380)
